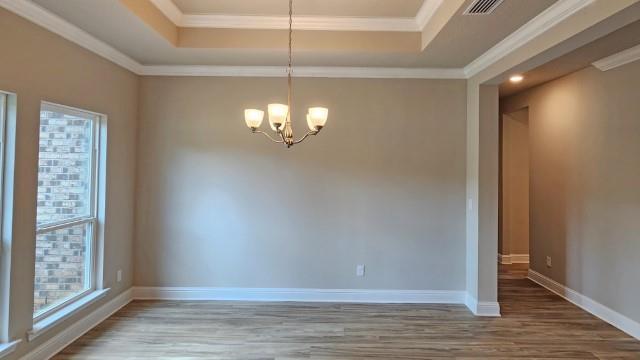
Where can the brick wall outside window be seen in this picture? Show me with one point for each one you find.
(64, 180)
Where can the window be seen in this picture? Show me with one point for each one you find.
(67, 208)
(7, 157)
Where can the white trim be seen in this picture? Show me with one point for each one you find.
(513, 259)
(426, 12)
(46, 324)
(170, 10)
(8, 348)
(304, 71)
(300, 294)
(622, 58)
(325, 23)
(55, 24)
(603, 312)
(482, 308)
(77, 329)
(529, 31)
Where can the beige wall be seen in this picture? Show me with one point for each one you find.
(514, 211)
(38, 65)
(382, 185)
(585, 176)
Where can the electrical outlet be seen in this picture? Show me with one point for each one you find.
(360, 270)
(548, 261)
(119, 276)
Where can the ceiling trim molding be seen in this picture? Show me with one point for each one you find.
(170, 10)
(58, 25)
(529, 31)
(326, 23)
(304, 71)
(426, 12)
(622, 58)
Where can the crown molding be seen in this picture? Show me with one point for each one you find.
(326, 23)
(529, 31)
(426, 12)
(618, 59)
(170, 10)
(57, 25)
(305, 71)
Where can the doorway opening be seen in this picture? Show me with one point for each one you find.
(513, 195)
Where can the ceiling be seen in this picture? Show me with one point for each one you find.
(615, 42)
(364, 8)
(455, 39)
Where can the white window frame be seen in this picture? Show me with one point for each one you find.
(7, 166)
(4, 99)
(5, 256)
(95, 219)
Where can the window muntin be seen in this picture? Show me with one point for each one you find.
(66, 208)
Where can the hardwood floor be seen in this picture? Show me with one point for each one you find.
(535, 324)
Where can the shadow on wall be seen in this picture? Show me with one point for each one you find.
(383, 185)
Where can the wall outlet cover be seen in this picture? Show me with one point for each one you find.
(360, 270)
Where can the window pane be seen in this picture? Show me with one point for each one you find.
(64, 170)
(62, 265)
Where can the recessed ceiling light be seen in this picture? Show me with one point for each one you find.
(516, 78)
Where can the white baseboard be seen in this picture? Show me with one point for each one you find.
(513, 259)
(482, 308)
(74, 331)
(298, 294)
(614, 318)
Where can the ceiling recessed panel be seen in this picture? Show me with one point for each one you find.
(460, 41)
(364, 8)
(465, 37)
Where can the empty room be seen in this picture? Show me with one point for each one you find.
(319, 179)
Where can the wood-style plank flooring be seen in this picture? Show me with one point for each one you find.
(535, 324)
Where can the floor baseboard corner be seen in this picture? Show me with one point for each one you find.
(69, 334)
(587, 304)
(482, 308)
(508, 259)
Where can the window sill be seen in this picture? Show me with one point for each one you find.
(59, 316)
(8, 348)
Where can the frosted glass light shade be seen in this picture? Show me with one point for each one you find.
(253, 117)
(277, 115)
(312, 127)
(317, 117)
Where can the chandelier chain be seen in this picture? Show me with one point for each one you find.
(316, 117)
(289, 68)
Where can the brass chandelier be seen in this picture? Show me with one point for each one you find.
(280, 114)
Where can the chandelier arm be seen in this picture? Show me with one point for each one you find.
(281, 133)
(312, 132)
(268, 136)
